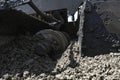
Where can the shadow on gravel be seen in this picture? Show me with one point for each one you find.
(70, 59)
(16, 64)
(17, 59)
(73, 62)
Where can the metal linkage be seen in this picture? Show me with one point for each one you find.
(43, 15)
(6, 4)
(81, 23)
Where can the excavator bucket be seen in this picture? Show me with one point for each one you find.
(110, 14)
(14, 22)
(101, 26)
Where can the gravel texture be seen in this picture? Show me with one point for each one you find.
(18, 61)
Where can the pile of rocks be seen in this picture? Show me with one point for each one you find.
(19, 62)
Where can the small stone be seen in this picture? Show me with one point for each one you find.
(71, 76)
(7, 77)
(59, 76)
(43, 75)
(67, 77)
(26, 74)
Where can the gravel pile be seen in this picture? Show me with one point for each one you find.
(18, 61)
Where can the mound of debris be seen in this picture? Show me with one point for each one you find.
(18, 61)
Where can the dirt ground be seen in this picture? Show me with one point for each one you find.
(18, 61)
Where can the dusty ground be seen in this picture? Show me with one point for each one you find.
(19, 62)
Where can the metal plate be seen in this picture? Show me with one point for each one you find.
(101, 19)
(46, 5)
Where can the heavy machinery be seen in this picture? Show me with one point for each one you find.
(101, 26)
(97, 23)
(24, 17)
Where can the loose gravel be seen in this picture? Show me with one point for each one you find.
(18, 61)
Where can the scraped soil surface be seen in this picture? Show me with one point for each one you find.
(18, 61)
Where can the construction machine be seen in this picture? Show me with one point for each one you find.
(95, 23)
